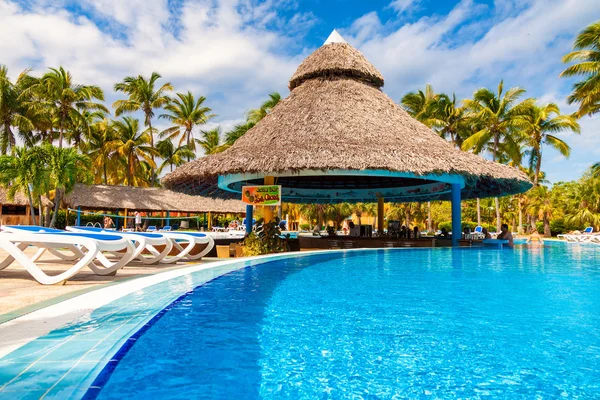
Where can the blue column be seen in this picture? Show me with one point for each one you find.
(78, 215)
(456, 224)
(168, 218)
(249, 218)
(117, 220)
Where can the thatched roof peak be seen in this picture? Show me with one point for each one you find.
(336, 59)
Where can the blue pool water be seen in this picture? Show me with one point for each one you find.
(414, 323)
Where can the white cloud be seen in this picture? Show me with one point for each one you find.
(234, 52)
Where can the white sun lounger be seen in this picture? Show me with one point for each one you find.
(144, 242)
(86, 248)
(183, 242)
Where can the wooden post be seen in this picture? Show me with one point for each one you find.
(380, 214)
(28, 215)
(209, 222)
(268, 210)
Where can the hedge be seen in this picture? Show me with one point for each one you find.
(466, 224)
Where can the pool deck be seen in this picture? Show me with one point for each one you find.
(20, 293)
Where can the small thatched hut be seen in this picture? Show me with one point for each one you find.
(17, 211)
(104, 197)
(339, 138)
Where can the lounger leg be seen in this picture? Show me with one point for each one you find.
(209, 247)
(158, 256)
(37, 273)
(10, 259)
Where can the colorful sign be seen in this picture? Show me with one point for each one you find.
(267, 195)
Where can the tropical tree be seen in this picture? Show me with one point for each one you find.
(252, 118)
(211, 141)
(22, 172)
(185, 113)
(586, 56)
(449, 120)
(497, 114)
(143, 96)
(82, 129)
(173, 155)
(132, 147)
(421, 104)
(13, 112)
(65, 168)
(538, 125)
(97, 148)
(57, 92)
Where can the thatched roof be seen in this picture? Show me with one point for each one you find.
(103, 197)
(20, 199)
(337, 118)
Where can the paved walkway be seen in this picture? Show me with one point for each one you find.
(20, 293)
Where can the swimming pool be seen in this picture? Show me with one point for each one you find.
(441, 323)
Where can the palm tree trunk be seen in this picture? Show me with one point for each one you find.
(520, 229)
(478, 212)
(498, 220)
(31, 207)
(60, 134)
(538, 166)
(40, 210)
(152, 145)
(56, 207)
(429, 223)
(547, 232)
(105, 173)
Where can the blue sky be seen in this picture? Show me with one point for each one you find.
(235, 52)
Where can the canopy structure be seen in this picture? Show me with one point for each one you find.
(20, 199)
(106, 197)
(338, 138)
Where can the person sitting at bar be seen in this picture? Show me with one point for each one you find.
(317, 230)
(444, 233)
(354, 230)
(416, 232)
(505, 234)
(402, 232)
(486, 233)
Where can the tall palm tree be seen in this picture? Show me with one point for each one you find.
(13, 112)
(173, 155)
(66, 99)
(421, 104)
(185, 113)
(211, 141)
(497, 114)
(82, 129)
(22, 172)
(142, 97)
(586, 54)
(132, 147)
(538, 124)
(65, 168)
(540, 205)
(256, 114)
(97, 148)
(450, 120)
(252, 118)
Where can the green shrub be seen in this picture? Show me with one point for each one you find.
(304, 227)
(465, 224)
(539, 226)
(266, 240)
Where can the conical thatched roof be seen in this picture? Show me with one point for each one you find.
(20, 199)
(337, 118)
(104, 197)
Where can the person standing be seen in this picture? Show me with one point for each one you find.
(138, 221)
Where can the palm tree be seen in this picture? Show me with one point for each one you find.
(82, 129)
(132, 147)
(596, 170)
(450, 121)
(252, 118)
(538, 125)
(185, 112)
(13, 112)
(210, 141)
(256, 114)
(421, 105)
(65, 168)
(172, 155)
(22, 172)
(96, 147)
(540, 205)
(66, 99)
(497, 114)
(142, 97)
(587, 55)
